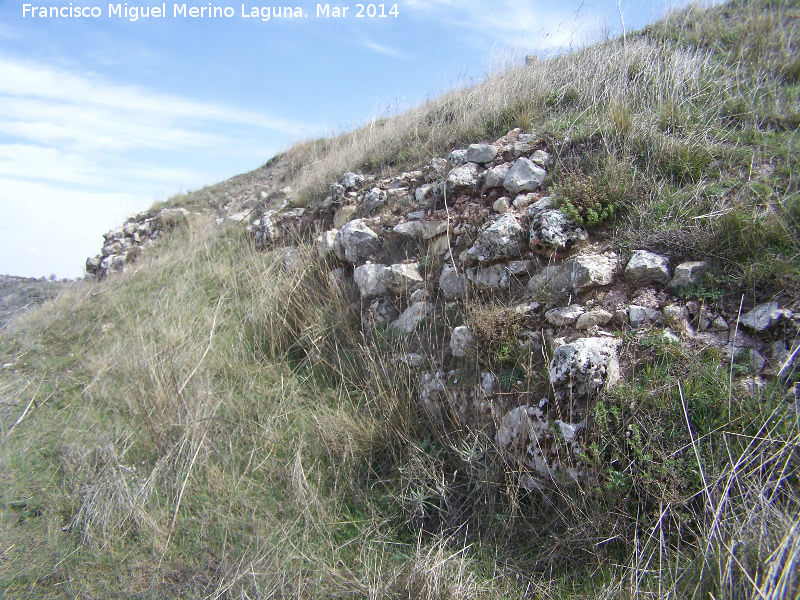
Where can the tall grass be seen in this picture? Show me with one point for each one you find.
(211, 425)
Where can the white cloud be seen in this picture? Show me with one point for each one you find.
(78, 153)
(380, 48)
(520, 23)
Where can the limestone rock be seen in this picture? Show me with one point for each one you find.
(372, 279)
(374, 199)
(457, 157)
(543, 158)
(355, 242)
(567, 315)
(688, 273)
(640, 315)
(426, 230)
(481, 153)
(648, 267)
(496, 176)
(504, 238)
(764, 316)
(582, 368)
(464, 178)
(325, 243)
(492, 277)
(412, 316)
(501, 205)
(524, 176)
(593, 318)
(453, 284)
(406, 278)
(552, 231)
(462, 341)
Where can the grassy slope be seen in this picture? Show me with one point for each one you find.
(233, 436)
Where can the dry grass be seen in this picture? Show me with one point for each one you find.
(236, 435)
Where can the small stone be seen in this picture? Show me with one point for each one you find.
(648, 267)
(764, 316)
(419, 296)
(501, 205)
(452, 284)
(719, 325)
(481, 153)
(593, 318)
(496, 176)
(524, 176)
(462, 341)
(564, 316)
(688, 273)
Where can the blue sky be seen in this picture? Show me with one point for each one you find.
(99, 117)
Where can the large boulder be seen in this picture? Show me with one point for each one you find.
(504, 238)
(648, 267)
(524, 176)
(582, 368)
(356, 241)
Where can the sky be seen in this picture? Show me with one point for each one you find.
(103, 114)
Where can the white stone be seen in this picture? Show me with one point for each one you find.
(326, 242)
(462, 341)
(593, 318)
(585, 366)
(481, 153)
(453, 284)
(465, 177)
(648, 267)
(412, 316)
(501, 205)
(503, 238)
(355, 242)
(372, 279)
(551, 231)
(524, 176)
(567, 315)
(496, 176)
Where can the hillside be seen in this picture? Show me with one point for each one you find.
(536, 338)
